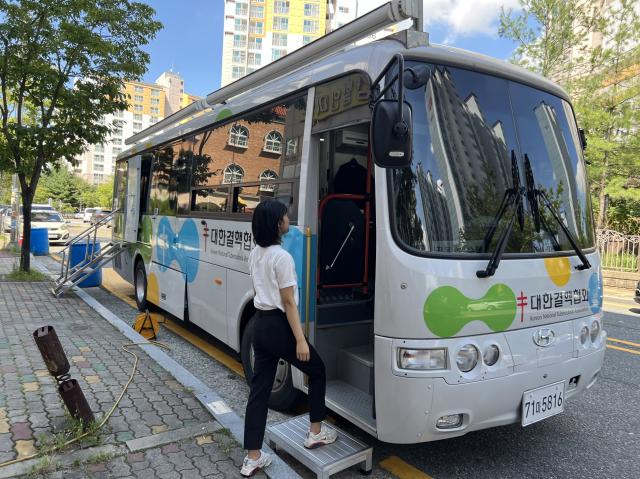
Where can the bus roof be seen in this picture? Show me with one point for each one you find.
(370, 58)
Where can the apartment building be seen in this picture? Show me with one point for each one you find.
(258, 32)
(148, 103)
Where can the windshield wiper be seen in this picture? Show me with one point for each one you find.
(535, 192)
(512, 197)
(532, 196)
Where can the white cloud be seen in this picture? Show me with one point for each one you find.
(466, 17)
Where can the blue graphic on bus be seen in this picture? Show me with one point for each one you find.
(170, 248)
(595, 292)
(294, 244)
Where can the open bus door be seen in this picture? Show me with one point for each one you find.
(131, 208)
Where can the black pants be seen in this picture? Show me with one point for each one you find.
(273, 340)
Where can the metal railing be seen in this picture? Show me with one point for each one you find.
(619, 252)
(93, 258)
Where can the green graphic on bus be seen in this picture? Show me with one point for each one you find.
(145, 238)
(447, 310)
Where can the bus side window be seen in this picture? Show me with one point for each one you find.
(181, 176)
(145, 177)
(210, 200)
(162, 202)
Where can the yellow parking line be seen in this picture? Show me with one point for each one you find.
(205, 347)
(622, 341)
(623, 349)
(401, 469)
(188, 336)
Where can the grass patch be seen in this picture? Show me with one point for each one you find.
(225, 440)
(26, 276)
(44, 466)
(75, 429)
(100, 457)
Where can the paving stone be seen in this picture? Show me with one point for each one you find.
(172, 421)
(135, 457)
(169, 475)
(25, 448)
(206, 439)
(118, 467)
(124, 436)
(100, 467)
(6, 443)
(21, 430)
(173, 447)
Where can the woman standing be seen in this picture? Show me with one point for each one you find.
(278, 335)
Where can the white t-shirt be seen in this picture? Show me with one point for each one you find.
(271, 269)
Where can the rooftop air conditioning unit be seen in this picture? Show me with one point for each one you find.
(353, 138)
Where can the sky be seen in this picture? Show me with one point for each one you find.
(191, 41)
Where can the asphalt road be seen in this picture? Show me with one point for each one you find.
(598, 435)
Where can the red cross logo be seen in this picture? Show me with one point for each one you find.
(522, 302)
(206, 233)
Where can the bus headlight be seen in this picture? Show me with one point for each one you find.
(467, 358)
(491, 355)
(595, 330)
(584, 334)
(422, 358)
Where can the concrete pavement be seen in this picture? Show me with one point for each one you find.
(158, 430)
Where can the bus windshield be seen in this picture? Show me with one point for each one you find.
(477, 139)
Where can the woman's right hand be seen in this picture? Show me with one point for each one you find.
(302, 350)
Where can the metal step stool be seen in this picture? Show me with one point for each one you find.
(347, 451)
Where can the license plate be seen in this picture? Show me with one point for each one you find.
(541, 403)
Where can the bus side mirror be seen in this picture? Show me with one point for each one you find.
(391, 134)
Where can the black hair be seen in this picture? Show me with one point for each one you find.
(265, 222)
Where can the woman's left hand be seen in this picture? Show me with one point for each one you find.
(302, 350)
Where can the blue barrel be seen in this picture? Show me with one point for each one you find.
(76, 256)
(39, 244)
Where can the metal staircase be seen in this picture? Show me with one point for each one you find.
(94, 258)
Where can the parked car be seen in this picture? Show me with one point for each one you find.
(637, 297)
(87, 214)
(53, 221)
(79, 215)
(99, 215)
(9, 219)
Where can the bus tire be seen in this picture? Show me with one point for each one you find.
(283, 395)
(140, 285)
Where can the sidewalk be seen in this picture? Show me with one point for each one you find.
(158, 430)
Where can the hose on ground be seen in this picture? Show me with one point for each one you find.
(108, 415)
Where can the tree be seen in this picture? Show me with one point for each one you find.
(603, 81)
(62, 186)
(608, 106)
(104, 193)
(549, 34)
(62, 68)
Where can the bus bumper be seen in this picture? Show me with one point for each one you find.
(408, 408)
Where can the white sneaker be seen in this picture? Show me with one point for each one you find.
(250, 466)
(327, 435)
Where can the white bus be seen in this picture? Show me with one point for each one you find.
(441, 228)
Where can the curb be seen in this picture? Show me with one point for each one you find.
(208, 397)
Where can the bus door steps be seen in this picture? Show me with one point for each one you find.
(72, 275)
(94, 256)
(324, 461)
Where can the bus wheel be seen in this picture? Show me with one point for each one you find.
(140, 285)
(283, 395)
